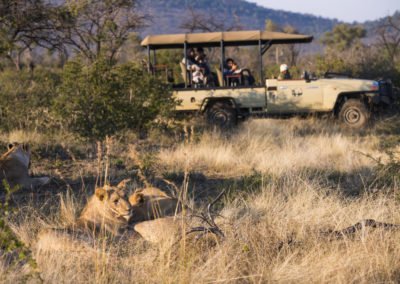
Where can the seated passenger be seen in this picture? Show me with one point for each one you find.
(284, 74)
(193, 67)
(231, 67)
(201, 59)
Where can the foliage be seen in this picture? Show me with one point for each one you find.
(99, 28)
(23, 25)
(387, 173)
(8, 242)
(26, 98)
(343, 36)
(389, 37)
(98, 100)
(10, 245)
(346, 53)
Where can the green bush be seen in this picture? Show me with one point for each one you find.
(26, 98)
(101, 99)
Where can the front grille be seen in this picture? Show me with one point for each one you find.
(386, 88)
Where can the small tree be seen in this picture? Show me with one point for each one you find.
(97, 28)
(101, 99)
(389, 37)
(343, 36)
(344, 50)
(24, 25)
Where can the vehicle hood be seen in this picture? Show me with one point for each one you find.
(351, 85)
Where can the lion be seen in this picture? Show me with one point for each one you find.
(152, 203)
(107, 209)
(14, 167)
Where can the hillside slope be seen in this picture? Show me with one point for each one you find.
(168, 15)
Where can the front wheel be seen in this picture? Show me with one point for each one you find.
(222, 115)
(354, 114)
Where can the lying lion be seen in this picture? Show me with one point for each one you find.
(149, 212)
(14, 167)
(152, 203)
(107, 209)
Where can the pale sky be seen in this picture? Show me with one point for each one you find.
(344, 10)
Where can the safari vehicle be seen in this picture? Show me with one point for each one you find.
(349, 100)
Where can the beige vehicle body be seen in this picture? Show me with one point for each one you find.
(350, 100)
(280, 96)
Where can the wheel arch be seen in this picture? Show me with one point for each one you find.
(343, 97)
(210, 101)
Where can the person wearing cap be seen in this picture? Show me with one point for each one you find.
(285, 74)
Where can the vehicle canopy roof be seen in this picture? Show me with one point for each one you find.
(214, 39)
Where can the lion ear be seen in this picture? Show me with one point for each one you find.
(136, 198)
(101, 193)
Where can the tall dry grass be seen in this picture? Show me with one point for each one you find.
(273, 232)
(274, 146)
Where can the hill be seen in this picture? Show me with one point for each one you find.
(168, 15)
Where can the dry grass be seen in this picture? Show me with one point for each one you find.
(295, 201)
(273, 146)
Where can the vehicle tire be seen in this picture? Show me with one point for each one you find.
(354, 114)
(222, 115)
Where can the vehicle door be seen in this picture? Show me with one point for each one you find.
(292, 96)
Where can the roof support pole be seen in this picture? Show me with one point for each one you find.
(186, 63)
(154, 58)
(148, 59)
(222, 62)
(261, 62)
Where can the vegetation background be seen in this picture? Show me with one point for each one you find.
(73, 85)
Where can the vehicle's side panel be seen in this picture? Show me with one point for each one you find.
(294, 96)
(192, 99)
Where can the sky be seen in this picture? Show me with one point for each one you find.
(344, 10)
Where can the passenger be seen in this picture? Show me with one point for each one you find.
(284, 74)
(209, 77)
(201, 59)
(193, 67)
(231, 67)
(191, 58)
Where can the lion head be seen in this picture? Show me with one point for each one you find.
(19, 153)
(14, 167)
(152, 203)
(108, 208)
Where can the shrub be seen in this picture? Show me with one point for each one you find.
(101, 99)
(25, 99)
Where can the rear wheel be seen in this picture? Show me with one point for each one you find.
(354, 114)
(222, 115)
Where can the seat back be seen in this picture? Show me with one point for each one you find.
(220, 77)
(185, 73)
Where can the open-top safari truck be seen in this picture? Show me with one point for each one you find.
(350, 100)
